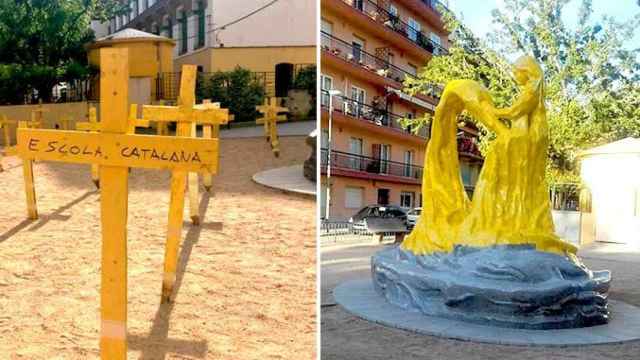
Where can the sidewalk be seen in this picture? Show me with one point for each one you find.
(297, 128)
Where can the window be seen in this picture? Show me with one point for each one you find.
(201, 26)
(326, 28)
(155, 29)
(353, 197)
(359, 97)
(408, 163)
(393, 10)
(136, 9)
(435, 38)
(184, 33)
(359, 4)
(413, 30)
(383, 196)
(413, 70)
(357, 46)
(407, 199)
(385, 157)
(355, 149)
(167, 27)
(324, 139)
(326, 84)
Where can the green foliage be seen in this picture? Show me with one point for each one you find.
(306, 80)
(42, 41)
(238, 90)
(592, 81)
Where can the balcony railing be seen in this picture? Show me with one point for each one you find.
(362, 111)
(383, 16)
(360, 163)
(434, 4)
(357, 56)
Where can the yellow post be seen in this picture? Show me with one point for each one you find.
(193, 188)
(186, 100)
(210, 132)
(114, 75)
(29, 186)
(270, 116)
(95, 170)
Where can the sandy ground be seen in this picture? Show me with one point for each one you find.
(345, 336)
(246, 279)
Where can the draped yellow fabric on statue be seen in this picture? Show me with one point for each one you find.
(510, 204)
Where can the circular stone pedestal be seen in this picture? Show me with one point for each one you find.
(288, 179)
(359, 298)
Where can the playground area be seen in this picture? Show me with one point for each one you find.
(245, 285)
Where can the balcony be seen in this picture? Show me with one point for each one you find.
(374, 114)
(347, 164)
(393, 23)
(359, 57)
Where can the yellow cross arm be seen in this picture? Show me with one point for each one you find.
(210, 116)
(161, 113)
(109, 149)
(278, 118)
(11, 151)
(88, 126)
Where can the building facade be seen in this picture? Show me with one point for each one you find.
(367, 50)
(223, 34)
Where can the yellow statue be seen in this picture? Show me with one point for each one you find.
(510, 204)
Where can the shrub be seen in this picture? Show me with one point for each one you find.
(238, 90)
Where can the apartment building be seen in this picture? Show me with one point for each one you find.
(223, 34)
(368, 48)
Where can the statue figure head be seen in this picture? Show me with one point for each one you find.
(526, 69)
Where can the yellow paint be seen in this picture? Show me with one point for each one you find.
(29, 186)
(115, 158)
(270, 116)
(193, 189)
(252, 58)
(147, 56)
(107, 149)
(510, 204)
(114, 72)
(186, 100)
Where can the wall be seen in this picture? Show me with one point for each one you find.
(260, 59)
(76, 111)
(338, 211)
(286, 23)
(567, 225)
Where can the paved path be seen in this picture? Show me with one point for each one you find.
(288, 179)
(347, 337)
(296, 128)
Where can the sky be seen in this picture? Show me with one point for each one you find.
(476, 14)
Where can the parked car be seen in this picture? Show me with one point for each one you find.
(412, 217)
(380, 218)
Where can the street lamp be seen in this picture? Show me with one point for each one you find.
(332, 93)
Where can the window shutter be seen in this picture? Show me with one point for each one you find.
(375, 151)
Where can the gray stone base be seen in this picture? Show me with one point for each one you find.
(359, 298)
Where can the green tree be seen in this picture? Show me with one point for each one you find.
(238, 90)
(42, 43)
(592, 81)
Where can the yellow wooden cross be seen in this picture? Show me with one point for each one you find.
(94, 126)
(37, 116)
(270, 116)
(207, 114)
(115, 151)
(211, 131)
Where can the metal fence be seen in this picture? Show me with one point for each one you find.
(168, 83)
(393, 22)
(343, 232)
(361, 163)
